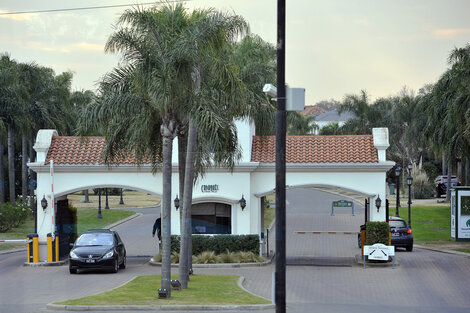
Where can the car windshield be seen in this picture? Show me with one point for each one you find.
(95, 239)
(397, 224)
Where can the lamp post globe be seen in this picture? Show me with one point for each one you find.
(409, 181)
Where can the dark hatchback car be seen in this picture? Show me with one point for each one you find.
(441, 184)
(97, 249)
(401, 234)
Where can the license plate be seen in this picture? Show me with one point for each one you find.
(90, 261)
(395, 234)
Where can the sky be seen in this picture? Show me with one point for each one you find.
(333, 47)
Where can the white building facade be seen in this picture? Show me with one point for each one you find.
(355, 164)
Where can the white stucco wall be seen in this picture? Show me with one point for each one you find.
(250, 179)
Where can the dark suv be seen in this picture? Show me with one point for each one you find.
(441, 184)
(401, 234)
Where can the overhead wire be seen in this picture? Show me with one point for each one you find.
(87, 8)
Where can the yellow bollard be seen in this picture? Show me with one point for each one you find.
(33, 248)
(49, 248)
(57, 247)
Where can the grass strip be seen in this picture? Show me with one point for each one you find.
(202, 290)
(430, 224)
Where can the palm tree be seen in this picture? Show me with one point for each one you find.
(12, 112)
(365, 115)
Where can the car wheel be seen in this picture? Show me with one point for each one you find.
(409, 248)
(123, 264)
(115, 268)
(359, 240)
(72, 270)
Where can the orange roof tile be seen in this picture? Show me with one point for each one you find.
(317, 149)
(83, 151)
(300, 149)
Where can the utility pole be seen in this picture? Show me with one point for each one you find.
(280, 274)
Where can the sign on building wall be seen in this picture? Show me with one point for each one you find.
(210, 188)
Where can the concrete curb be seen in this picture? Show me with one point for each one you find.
(127, 219)
(218, 265)
(12, 251)
(44, 264)
(157, 308)
(443, 250)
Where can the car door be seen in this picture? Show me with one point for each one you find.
(120, 247)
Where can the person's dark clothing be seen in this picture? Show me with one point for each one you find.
(157, 227)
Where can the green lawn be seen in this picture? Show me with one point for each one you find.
(430, 224)
(202, 290)
(87, 219)
(269, 214)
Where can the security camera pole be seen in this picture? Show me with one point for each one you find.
(280, 274)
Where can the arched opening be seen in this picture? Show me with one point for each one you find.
(211, 218)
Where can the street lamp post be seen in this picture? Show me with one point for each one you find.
(106, 207)
(121, 201)
(397, 175)
(409, 181)
(99, 204)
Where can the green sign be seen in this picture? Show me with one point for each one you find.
(342, 204)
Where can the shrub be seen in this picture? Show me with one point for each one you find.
(175, 257)
(220, 243)
(421, 188)
(13, 215)
(377, 232)
(248, 257)
(228, 257)
(206, 257)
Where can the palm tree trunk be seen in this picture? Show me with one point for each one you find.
(2, 174)
(449, 179)
(32, 155)
(24, 167)
(11, 163)
(185, 251)
(168, 130)
(182, 146)
(444, 164)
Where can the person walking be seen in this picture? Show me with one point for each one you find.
(157, 228)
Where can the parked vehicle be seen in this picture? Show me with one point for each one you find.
(441, 184)
(97, 249)
(401, 233)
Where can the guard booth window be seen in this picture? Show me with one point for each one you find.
(211, 218)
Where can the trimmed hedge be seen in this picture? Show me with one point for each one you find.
(219, 243)
(377, 232)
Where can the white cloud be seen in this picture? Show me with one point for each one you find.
(444, 33)
(17, 17)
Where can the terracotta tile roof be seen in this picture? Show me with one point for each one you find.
(317, 149)
(74, 150)
(312, 110)
(300, 149)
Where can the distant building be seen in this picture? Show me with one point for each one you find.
(332, 117)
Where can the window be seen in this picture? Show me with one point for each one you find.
(211, 218)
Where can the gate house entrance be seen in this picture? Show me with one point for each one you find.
(352, 163)
(211, 218)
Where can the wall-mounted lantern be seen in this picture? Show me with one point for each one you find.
(44, 202)
(378, 203)
(242, 202)
(177, 202)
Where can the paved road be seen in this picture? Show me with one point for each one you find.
(425, 281)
